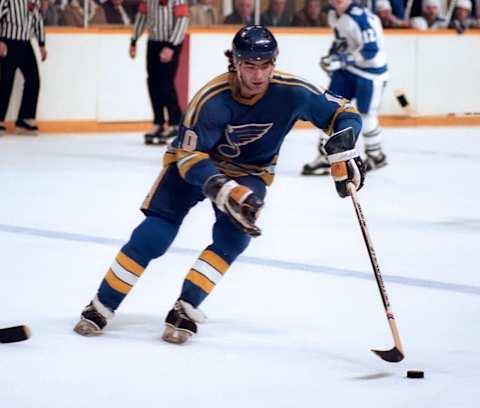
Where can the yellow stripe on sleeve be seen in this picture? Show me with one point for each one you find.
(200, 280)
(186, 160)
(214, 260)
(117, 284)
(129, 264)
(149, 197)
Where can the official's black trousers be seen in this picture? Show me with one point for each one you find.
(20, 55)
(161, 86)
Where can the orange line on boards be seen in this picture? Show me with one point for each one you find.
(231, 29)
(91, 126)
(86, 126)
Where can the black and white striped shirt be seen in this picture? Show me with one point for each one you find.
(21, 20)
(167, 20)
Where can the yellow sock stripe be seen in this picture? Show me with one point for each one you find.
(129, 264)
(200, 280)
(116, 283)
(216, 261)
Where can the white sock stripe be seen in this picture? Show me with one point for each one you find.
(123, 274)
(207, 270)
(372, 140)
(102, 309)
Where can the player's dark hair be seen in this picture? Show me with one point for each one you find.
(231, 65)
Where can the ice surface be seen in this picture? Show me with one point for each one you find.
(291, 324)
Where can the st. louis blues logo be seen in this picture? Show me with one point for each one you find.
(242, 135)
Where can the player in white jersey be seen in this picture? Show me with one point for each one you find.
(356, 63)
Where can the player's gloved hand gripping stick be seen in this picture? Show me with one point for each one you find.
(345, 162)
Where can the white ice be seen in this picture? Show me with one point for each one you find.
(292, 322)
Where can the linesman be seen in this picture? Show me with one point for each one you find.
(20, 21)
(167, 22)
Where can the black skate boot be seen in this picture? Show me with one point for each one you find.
(375, 159)
(153, 137)
(168, 134)
(181, 322)
(318, 167)
(93, 319)
(26, 127)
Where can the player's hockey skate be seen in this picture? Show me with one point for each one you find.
(375, 160)
(318, 167)
(26, 127)
(181, 322)
(161, 136)
(93, 319)
(153, 137)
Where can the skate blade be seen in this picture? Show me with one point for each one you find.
(87, 329)
(25, 132)
(175, 336)
(323, 172)
(155, 141)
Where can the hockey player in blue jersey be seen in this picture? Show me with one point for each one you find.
(356, 64)
(226, 151)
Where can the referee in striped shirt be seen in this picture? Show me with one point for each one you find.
(167, 22)
(20, 20)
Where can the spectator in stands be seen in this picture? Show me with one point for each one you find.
(51, 11)
(243, 13)
(276, 15)
(398, 7)
(73, 14)
(204, 14)
(115, 13)
(383, 10)
(131, 7)
(430, 18)
(461, 19)
(310, 16)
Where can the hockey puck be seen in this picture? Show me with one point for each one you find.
(415, 374)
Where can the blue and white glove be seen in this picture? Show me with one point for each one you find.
(334, 62)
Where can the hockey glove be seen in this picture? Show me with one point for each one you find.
(339, 46)
(334, 62)
(346, 164)
(238, 201)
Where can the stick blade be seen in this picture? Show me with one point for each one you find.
(15, 334)
(392, 356)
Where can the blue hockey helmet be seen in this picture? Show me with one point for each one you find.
(254, 43)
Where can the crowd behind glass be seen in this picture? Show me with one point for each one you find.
(419, 14)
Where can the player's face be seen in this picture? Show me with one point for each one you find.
(341, 5)
(254, 76)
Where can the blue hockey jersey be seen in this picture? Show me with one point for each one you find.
(223, 132)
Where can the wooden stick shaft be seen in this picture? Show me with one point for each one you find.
(408, 9)
(375, 266)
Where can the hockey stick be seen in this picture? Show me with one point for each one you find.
(396, 354)
(14, 334)
(450, 10)
(408, 9)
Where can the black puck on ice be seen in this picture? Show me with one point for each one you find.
(415, 374)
